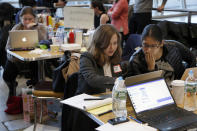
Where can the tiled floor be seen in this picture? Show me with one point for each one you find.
(16, 122)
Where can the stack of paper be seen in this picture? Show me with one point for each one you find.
(93, 106)
(73, 46)
(128, 126)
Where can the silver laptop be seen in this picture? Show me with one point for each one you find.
(145, 76)
(23, 39)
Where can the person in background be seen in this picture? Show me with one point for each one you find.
(157, 54)
(100, 16)
(7, 12)
(23, 3)
(14, 65)
(119, 18)
(100, 66)
(51, 4)
(142, 15)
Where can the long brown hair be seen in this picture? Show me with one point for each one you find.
(101, 40)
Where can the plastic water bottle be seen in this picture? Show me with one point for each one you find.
(60, 35)
(119, 96)
(50, 32)
(190, 92)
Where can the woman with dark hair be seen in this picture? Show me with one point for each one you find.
(157, 54)
(100, 16)
(100, 66)
(119, 17)
(14, 65)
(23, 3)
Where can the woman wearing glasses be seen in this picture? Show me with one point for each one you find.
(157, 54)
(14, 65)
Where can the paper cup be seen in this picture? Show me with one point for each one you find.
(178, 91)
(54, 48)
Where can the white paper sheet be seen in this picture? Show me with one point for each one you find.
(78, 102)
(128, 126)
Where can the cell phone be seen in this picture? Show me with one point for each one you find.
(117, 120)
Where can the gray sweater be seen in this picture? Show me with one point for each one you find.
(143, 6)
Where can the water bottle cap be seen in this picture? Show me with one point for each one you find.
(120, 78)
(191, 72)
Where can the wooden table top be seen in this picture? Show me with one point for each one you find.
(32, 56)
(130, 112)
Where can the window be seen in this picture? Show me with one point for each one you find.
(191, 4)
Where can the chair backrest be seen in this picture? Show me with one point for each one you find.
(71, 85)
(132, 43)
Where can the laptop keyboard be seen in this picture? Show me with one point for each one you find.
(22, 49)
(172, 119)
(169, 116)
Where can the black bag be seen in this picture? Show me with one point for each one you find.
(58, 79)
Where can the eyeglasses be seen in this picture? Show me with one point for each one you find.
(25, 19)
(150, 46)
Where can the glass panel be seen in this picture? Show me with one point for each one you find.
(191, 4)
(171, 4)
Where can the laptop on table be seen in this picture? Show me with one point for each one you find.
(145, 76)
(23, 39)
(153, 104)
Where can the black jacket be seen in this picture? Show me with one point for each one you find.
(173, 52)
(91, 78)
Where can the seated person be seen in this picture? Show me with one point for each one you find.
(100, 16)
(14, 65)
(23, 3)
(157, 54)
(100, 66)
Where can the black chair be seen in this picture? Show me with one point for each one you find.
(69, 91)
(132, 43)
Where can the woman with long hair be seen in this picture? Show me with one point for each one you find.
(100, 66)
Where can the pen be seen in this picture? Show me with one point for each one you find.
(89, 99)
(104, 113)
(135, 119)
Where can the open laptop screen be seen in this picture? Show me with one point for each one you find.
(149, 95)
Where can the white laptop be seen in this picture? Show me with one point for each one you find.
(23, 39)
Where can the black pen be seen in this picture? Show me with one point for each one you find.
(89, 99)
(104, 113)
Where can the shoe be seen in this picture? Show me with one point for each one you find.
(10, 100)
(16, 107)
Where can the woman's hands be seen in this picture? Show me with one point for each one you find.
(30, 25)
(150, 60)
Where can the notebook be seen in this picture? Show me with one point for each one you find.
(23, 39)
(153, 104)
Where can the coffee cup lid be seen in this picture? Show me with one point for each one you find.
(177, 83)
